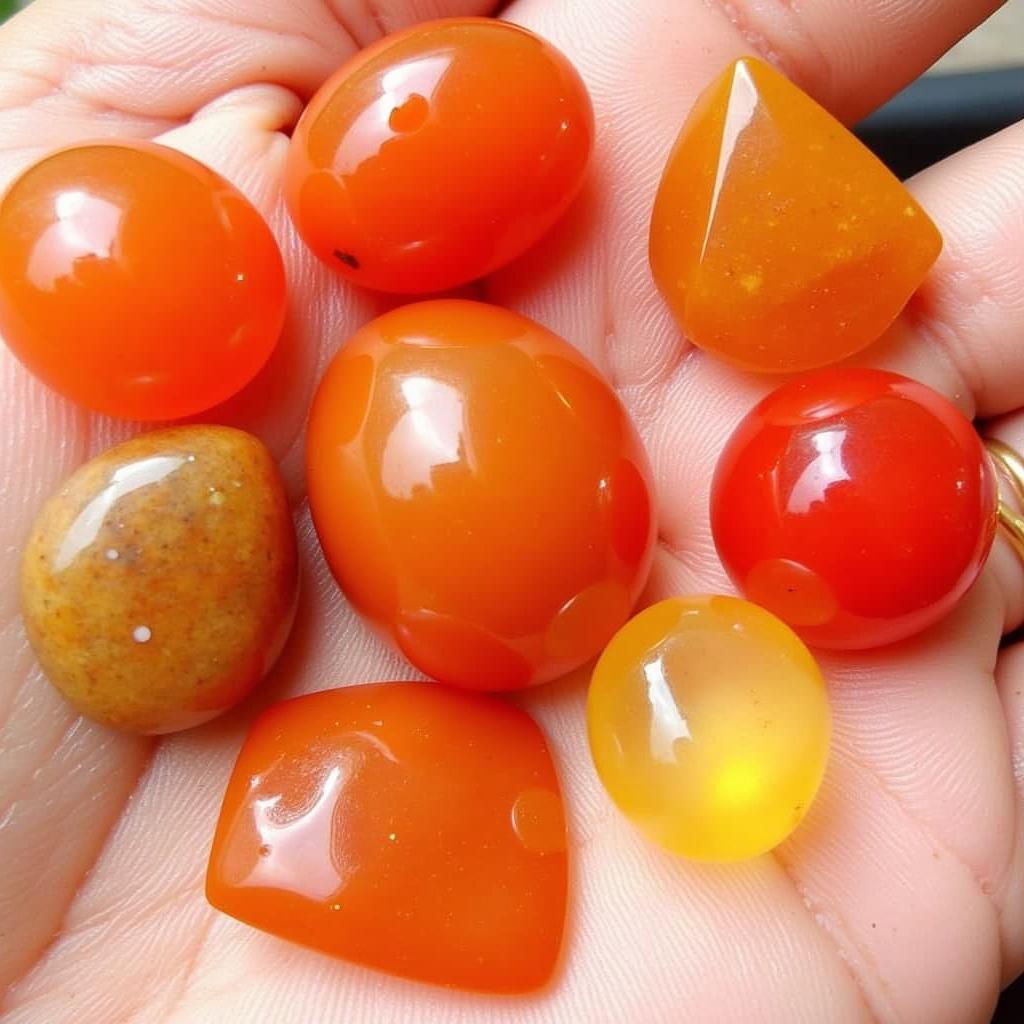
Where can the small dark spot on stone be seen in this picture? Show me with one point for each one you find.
(347, 258)
(873, 925)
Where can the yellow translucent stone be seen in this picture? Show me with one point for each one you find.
(709, 726)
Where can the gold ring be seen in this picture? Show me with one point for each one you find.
(1010, 466)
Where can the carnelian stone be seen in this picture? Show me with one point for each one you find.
(136, 281)
(439, 154)
(857, 505)
(480, 493)
(404, 826)
(778, 239)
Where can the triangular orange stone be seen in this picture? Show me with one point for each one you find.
(779, 240)
(404, 826)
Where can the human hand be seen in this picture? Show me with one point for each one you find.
(901, 897)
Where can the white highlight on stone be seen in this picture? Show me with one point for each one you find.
(141, 634)
(112, 554)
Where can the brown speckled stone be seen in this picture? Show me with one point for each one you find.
(158, 585)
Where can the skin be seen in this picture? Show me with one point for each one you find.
(901, 898)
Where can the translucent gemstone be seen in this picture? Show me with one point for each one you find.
(480, 493)
(136, 281)
(778, 239)
(709, 726)
(439, 154)
(404, 826)
(857, 505)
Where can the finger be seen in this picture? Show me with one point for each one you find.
(852, 55)
(63, 785)
(1010, 896)
(962, 331)
(72, 68)
(1004, 562)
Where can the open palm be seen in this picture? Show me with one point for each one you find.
(901, 898)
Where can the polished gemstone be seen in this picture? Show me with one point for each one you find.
(779, 241)
(439, 154)
(159, 583)
(709, 726)
(136, 281)
(480, 493)
(857, 505)
(404, 826)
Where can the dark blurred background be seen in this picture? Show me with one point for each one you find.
(942, 113)
(974, 91)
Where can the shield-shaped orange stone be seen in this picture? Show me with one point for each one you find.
(780, 242)
(404, 826)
